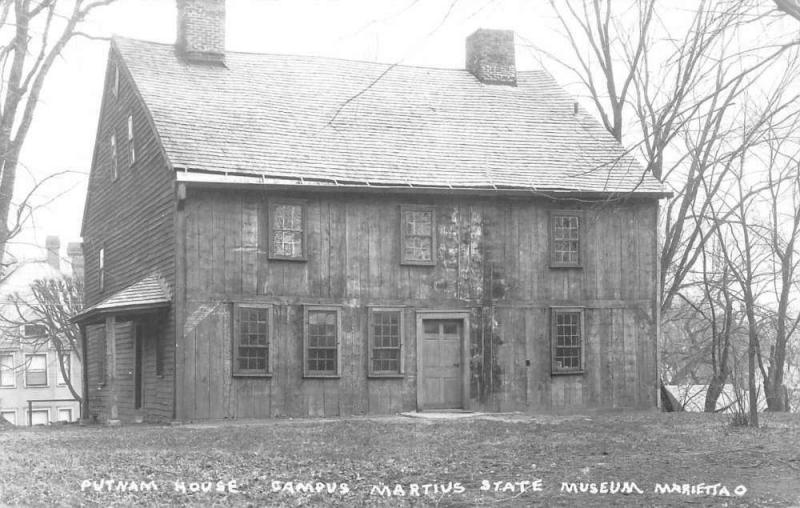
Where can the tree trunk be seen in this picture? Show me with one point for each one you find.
(713, 393)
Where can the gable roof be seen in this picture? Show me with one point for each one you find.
(322, 121)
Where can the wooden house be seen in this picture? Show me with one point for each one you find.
(272, 235)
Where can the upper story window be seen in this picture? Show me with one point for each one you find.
(65, 359)
(287, 230)
(417, 235)
(115, 81)
(567, 340)
(251, 340)
(7, 377)
(113, 142)
(131, 145)
(385, 342)
(565, 239)
(101, 268)
(321, 341)
(36, 370)
(34, 331)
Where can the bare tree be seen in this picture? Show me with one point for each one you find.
(49, 304)
(32, 35)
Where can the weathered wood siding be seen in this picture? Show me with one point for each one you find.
(492, 260)
(131, 218)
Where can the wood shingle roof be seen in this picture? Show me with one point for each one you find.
(303, 119)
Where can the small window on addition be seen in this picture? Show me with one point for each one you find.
(567, 340)
(418, 235)
(565, 239)
(287, 221)
(131, 144)
(321, 342)
(115, 81)
(252, 340)
(385, 342)
(114, 157)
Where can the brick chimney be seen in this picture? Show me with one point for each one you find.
(201, 31)
(75, 255)
(53, 246)
(490, 56)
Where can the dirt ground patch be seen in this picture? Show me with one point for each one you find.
(396, 461)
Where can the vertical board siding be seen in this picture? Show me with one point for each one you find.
(492, 259)
(132, 219)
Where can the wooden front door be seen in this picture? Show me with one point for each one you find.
(441, 363)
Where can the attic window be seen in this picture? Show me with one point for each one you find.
(418, 235)
(287, 228)
(115, 83)
(131, 147)
(113, 157)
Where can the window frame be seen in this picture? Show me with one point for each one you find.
(434, 235)
(235, 370)
(101, 268)
(561, 371)
(58, 414)
(307, 309)
(60, 380)
(371, 372)
(12, 412)
(114, 157)
(131, 141)
(272, 204)
(29, 415)
(551, 238)
(12, 369)
(27, 365)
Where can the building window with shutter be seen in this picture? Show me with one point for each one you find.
(131, 145)
(114, 168)
(417, 235)
(565, 239)
(287, 230)
(567, 340)
(385, 342)
(321, 341)
(252, 340)
(36, 370)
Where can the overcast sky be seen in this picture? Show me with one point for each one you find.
(429, 32)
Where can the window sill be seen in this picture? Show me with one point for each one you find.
(321, 376)
(386, 376)
(283, 258)
(251, 374)
(567, 373)
(418, 263)
(558, 266)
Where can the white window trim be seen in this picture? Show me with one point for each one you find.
(10, 412)
(37, 410)
(13, 368)
(370, 344)
(236, 372)
(322, 308)
(26, 365)
(58, 413)
(555, 371)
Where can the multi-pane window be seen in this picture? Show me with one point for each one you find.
(287, 231)
(36, 370)
(7, 377)
(114, 168)
(65, 360)
(385, 342)
(565, 239)
(321, 344)
(131, 146)
(418, 235)
(567, 337)
(251, 344)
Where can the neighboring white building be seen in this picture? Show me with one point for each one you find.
(28, 372)
(693, 398)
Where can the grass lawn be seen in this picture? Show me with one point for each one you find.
(451, 460)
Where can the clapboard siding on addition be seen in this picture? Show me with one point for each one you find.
(131, 217)
(492, 260)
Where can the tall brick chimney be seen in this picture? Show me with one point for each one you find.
(201, 31)
(53, 245)
(75, 255)
(490, 56)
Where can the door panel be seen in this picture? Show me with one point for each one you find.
(441, 363)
